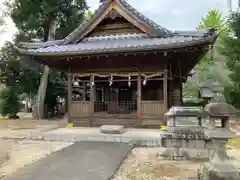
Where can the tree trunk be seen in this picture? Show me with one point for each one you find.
(39, 107)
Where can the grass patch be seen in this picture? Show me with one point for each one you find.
(234, 142)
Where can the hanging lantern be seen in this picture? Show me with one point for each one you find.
(129, 81)
(111, 80)
(93, 83)
(145, 81)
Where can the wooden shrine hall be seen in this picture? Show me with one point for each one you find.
(123, 69)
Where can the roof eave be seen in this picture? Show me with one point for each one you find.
(208, 40)
(33, 45)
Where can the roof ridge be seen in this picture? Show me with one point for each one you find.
(96, 13)
(160, 31)
(117, 36)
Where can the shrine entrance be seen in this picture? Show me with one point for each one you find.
(117, 100)
(126, 99)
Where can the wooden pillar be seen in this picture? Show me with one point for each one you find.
(69, 95)
(165, 90)
(139, 98)
(170, 88)
(91, 109)
(84, 91)
(180, 81)
(165, 94)
(102, 94)
(94, 93)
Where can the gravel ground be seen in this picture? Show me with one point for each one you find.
(27, 152)
(143, 164)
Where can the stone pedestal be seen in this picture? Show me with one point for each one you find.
(184, 139)
(219, 167)
(110, 129)
(222, 171)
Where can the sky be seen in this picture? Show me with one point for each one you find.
(171, 14)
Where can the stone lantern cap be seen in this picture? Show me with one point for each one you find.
(190, 111)
(220, 109)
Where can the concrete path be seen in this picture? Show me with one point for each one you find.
(81, 161)
(142, 137)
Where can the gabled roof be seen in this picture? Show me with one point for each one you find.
(153, 36)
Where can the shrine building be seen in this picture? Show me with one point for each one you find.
(123, 68)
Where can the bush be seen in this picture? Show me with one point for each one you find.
(10, 103)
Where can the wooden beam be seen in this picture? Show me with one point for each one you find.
(139, 98)
(69, 95)
(84, 91)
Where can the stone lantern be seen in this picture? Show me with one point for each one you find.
(219, 167)
(206, 93)
(209, 92)
(185, 136)
(217, 89)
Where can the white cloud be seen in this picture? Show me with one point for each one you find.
(171, 14)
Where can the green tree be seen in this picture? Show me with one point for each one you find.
(232, 53)
(212, 67)
(33, 18)
(216, 20)
(10, 103)
(17, 78)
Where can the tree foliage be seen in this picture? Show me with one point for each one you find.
(10, 103)
(232, 52)
(34, 16)
(216, 20)
(32, 19)
(15, 72)
(212, 66)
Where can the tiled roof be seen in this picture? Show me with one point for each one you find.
(105, 43)
(36, 45)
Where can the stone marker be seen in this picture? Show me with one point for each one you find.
(111, 129)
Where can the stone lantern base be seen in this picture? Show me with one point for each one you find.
(222, 171)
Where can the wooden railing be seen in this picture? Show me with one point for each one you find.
(103, 109)
(152, 109)
(80, 109)
(149, 109)
(124, 113)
